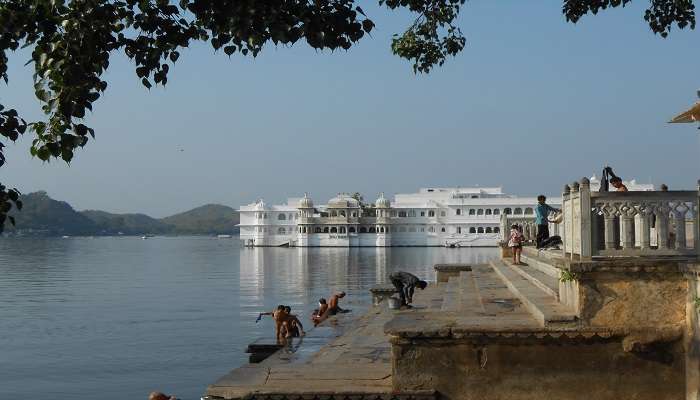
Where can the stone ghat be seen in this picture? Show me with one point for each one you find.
(545, 329)
(344, 358)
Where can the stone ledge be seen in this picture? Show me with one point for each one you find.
(444, 272)
(452, 267)
(669, 264)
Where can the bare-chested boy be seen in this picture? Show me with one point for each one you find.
(317, 315)
(279, 315)
(292, 326)
(333, 306)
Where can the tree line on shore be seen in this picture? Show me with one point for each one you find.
(44, 216)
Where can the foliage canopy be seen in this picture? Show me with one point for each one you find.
(72, 42)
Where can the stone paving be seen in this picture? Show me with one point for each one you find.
(345, 354)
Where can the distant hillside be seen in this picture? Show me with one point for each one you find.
(207, 219)
(42, 215)
(127, 224)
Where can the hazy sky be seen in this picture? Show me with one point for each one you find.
(532, 103)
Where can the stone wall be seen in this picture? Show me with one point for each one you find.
(542, 369)
(628, 302)
(693, 336)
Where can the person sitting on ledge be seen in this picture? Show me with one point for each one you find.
(317, 315)
(542, 211)
(405, 283)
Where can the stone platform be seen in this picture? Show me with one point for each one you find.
(345, 355)
(547, 329)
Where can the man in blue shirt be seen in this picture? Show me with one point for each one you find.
(542, 211)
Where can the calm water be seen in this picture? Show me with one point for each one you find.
(116, 318)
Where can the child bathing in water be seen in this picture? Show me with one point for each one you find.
(515, 242)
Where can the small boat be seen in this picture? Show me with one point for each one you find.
(65, 237)
(223, 236)
(144, 237)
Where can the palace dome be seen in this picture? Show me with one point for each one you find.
(382, 202)
(343, 200)
(306, 202)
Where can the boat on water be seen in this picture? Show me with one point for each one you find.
(223, 236)
(144, 237)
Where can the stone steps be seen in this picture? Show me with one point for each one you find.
(451, 295)
(546, 282)
(543, 306)
(540, 265)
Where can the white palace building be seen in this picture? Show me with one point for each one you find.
(459, 216)
(431, 217)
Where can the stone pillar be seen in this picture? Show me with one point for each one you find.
(627, 230)
(586, 227)
(662, 226)
(644, 230)
(679, 218)
(610, 242)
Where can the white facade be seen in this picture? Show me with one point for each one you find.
(430, 217)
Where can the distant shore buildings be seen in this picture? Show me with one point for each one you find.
(427, 218)
(455, 217)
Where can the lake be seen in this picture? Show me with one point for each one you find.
(119, 317)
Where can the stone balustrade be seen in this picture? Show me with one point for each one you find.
(628, 224)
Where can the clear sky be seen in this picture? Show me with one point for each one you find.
(533, 102)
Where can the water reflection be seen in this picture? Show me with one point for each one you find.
(121, 317)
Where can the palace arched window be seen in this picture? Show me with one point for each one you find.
(334, 230)
(354, 214)
(480, 212)
(507, 211)
(281, 217)
(290, 217)
(459, 229)
(341, 213)
(472, 230)
(496, 211)
(402, 214)
(351, 229)
(496, 230)
(317, 229)
(381, 229)
(372, 230)
(529, 211)
(342, 229)
(442, 229)
(472, 211)
(488, 229)
(442, 213)
(431, 213)
(488, 211)
(281, 231)
(480, 229)
(363, 229)
(325, 230)
(458, 211)
(518, 211)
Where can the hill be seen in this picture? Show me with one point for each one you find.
(207, 219)
(127, 224)
(42, 215)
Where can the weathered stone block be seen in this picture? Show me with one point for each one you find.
(553, 369)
